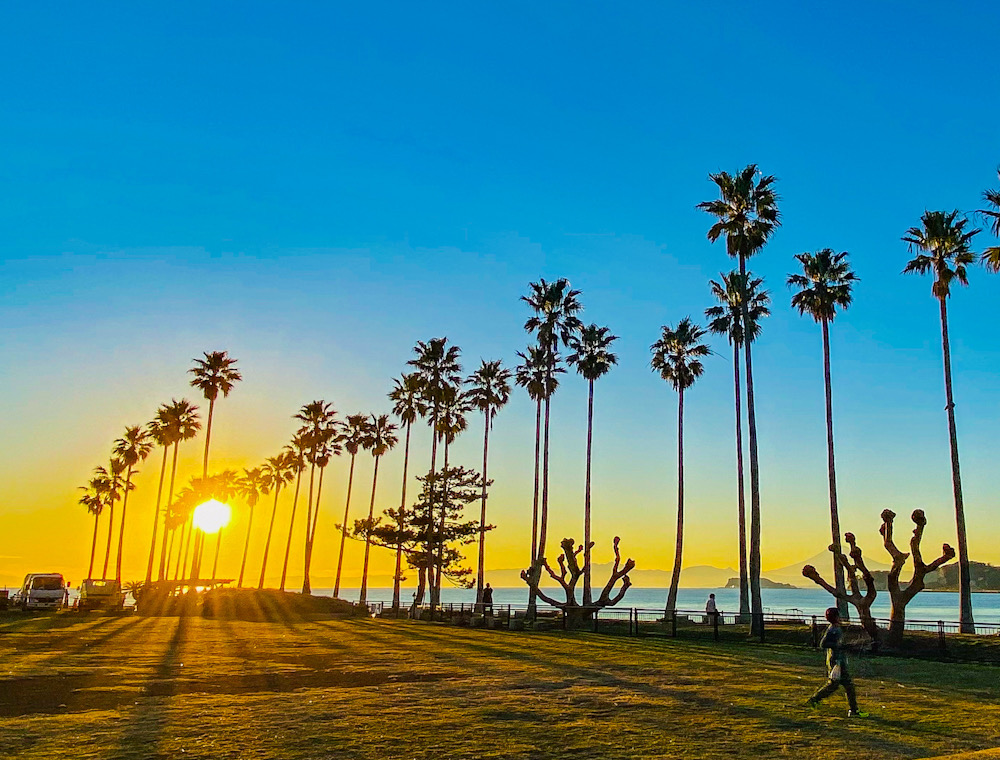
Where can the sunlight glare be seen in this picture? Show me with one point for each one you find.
(212, 516)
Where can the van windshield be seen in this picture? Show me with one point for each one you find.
(47, 584)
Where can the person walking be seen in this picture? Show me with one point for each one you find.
(836, 667)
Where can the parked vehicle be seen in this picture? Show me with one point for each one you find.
(42, 591)
(99, 594)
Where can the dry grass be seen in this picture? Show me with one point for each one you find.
(104, 687)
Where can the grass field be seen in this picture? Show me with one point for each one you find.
(78, 687)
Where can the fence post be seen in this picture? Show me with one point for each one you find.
(673, 623)
(715, 625)
(508, 617)
(635, 614)
(595, 620)
(942, 644)
(762, 628)
(815, 633)
(630, 621)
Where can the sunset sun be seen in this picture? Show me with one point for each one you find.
(212, 516)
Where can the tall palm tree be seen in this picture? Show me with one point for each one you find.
(113, 487)
(825, 284)
(945, 247)
(180, 418)
(556, 307)
(277, 471)
(353, 438)
(131, 449)
(163, 436)
(538, 377)
(214, 374)
(593, 359)
(93, 500)
(747, 215)
(489, 392)
(452, 422)
(991, 256)
(407, 406)
(251, 485)
(381, 438)
(677, 357)
(296, 451)
(328, 448)
(438, 367)
(727, 319)
(319, 426)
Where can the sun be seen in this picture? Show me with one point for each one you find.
(212, 516)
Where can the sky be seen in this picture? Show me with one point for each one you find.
(316, 187)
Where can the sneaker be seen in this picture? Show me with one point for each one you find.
(856, 714)
(812, 704)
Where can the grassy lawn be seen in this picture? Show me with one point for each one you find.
(78, 687)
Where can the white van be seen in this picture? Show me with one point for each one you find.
(41, 591)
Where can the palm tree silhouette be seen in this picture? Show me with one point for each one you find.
(677, 357)
(407, 406)
(991, 256)
(296, 451)
(277, 471)
(131, 449)
(489, 392)
(93, 500)
(162, 435)
(946, 252)
(825, 284)
(320, 426)
(538, 377)
(251, 485)
(381, 438)
(452, 422)
(747, 214)
(593, 359)
(214, 374)
(727, 319)
(180, 418)
(556, 307)
(328, 447)
(353, 438)
(112, 486)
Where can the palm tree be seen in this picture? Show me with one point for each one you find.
(353, 438)
(296, 451)
(677, 357)
(328, 447)
(407, 406)
(381, 438)
(452, 422)
(113, 485)
(555, 306)
(593, 359)
(538, 377)
(319, 426)
(252, 484)
(277, 471)
(93, 500)
(825, 284)
(130, 450)
(747, 214)
(214, 374)
(180, 418)
(991, 256)
(727, 319)
(162, 435)
(946, 252)
(489, 392)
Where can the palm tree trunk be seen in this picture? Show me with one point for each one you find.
(121, 530)
(740, 492)
(156, 520)
(586, 500)
(107, 551)
(363, 597)
(838, 571)
(218, 545)
(343, 529)
(397, 579)
(93, 547)
(966, 619)
(430, 503)
(675, 576)
(182, 547)
(186, 539)
(543, 523)
(270, 531)
(438, 573)
(170, 497)
(246, 547)
(291, 527)
(208, 437)
(534, 508)
(311, 529)
(481, 566)
(306, 585)
(756, 605)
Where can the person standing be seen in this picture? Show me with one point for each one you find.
(836, 667)
(488, 599)
(711, 610)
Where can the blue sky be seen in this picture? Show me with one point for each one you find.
(316, 187)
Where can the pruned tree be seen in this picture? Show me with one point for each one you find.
(902, 596)
(570, 572)
(852, 594)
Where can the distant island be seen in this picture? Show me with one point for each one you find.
(764, 583)
(985, 577)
